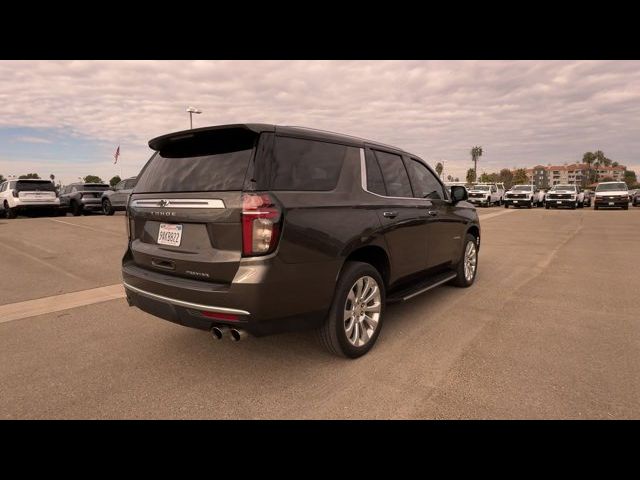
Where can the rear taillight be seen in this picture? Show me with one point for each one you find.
(261, 220)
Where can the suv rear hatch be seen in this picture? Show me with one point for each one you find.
(35, 191)
(185, 212)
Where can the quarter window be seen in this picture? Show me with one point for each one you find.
(395, 175)
(425, 184)
(307, 164)
(375, 183)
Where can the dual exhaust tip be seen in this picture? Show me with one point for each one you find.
(234, 333)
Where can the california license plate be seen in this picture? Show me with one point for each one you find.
(170, 234)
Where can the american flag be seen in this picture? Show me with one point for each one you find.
(116, 155)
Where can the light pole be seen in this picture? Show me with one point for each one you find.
(191, 111)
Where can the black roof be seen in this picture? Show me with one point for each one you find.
(160, 142)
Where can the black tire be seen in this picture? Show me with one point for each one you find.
(530, 204)
(595, 207)
(107, 209)
(460, 280)
(10, 213)
(580, 204)
(625, 207)
(506, 205)
(76, 209)
(62, 212)
(332, 333)
(546, 206)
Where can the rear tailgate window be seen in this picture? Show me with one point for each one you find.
(43, 186)
(217, 161)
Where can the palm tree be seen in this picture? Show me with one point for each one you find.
(476, 152)
(439, 168)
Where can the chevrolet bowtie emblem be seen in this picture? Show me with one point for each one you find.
(164, 203)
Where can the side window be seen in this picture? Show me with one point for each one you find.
(3, 187)
(375, 183)
(308, 164)
(493, 189)
(129, 184)
(425, 184)
(394, 174)
(120, 185)
(73, 189)
(12, 185)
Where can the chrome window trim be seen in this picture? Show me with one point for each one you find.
(177, 203)
(182, 303)
(363, 177)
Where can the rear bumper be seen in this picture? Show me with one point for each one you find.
(26, 205)
(479, 201)
(92, 204)
(611, 203)
(266, 296)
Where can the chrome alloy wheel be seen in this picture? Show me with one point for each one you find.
(470, 261)
(362, 311)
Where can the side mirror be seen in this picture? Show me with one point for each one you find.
(458, 193)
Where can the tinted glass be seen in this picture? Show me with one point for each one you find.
(129, 184)
(44, 185)
(94, 187)
(222, 171)
(425, 184)
(119, 185)
(394, 174)
(306, 164)
(375, 184)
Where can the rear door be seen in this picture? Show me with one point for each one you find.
(186, 208)
(403, 217)
(116, 198)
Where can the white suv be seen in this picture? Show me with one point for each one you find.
(27, 194)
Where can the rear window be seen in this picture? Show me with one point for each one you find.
(213, 161)
(307, 164)
(395, 175)
(43, 186)
(94, 187)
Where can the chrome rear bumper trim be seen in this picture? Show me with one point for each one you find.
(182, 303)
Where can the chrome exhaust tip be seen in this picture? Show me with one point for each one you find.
(237, 335)
(219, 332)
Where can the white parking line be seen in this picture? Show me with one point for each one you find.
(45, 263)
(41, 306)
(84, 226)
(496, 214)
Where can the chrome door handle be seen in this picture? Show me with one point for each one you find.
(390, 214)
(432, 213)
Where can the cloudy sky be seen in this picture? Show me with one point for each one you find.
(68, 117)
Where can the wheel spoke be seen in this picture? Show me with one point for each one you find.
(375, 307)
(364, 334)
(349, 327)
(369, 297)
(372, 322)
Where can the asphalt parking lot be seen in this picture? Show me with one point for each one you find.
(551, 329)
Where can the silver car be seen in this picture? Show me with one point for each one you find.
(116, 199)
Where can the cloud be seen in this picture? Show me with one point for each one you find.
(27, 139)
(521, 112)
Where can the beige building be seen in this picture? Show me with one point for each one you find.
(571, 174)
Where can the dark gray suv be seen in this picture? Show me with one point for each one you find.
(80, 198)
(261, 229)
(116, 199)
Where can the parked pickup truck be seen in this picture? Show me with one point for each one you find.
(486, 194)
(523, 196)
(564, 196)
